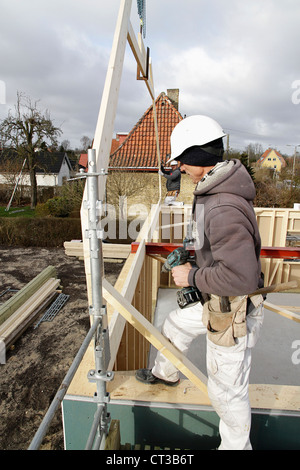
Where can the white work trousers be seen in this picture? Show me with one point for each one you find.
(171, 201)
(228, 371)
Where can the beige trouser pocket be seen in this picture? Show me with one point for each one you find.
(224, 328)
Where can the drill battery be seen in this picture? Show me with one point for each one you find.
(189, 296)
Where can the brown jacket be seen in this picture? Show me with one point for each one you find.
(228, 251)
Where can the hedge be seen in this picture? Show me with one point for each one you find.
(43, 232)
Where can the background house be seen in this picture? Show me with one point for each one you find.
(272, 159)
(134, 164)
(52, 170)
(138, 150)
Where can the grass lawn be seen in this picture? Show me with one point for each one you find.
(24, 211)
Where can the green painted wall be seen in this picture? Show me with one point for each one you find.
(175, 428)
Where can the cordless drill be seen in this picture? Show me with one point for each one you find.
(187, 296)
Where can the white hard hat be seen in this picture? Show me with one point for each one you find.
(174, 162)
(194, 130)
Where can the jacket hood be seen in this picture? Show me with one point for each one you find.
(229, 177)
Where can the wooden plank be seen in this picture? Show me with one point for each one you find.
(110, 250)
(11, 329)
(12, 336)
(140, 57)
(127, 289)
(9, 307)
(127, 281)
(150, 224)
(105, 122)
(283, 312)
(113, 440)
(125, 387)
(262, 396)
(32, 303)
(136, 319)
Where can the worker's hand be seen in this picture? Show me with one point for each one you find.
(180, 274)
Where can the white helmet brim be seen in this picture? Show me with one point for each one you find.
(194, 130)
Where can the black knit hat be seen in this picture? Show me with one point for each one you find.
(204, 155)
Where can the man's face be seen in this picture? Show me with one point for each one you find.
(196, 173)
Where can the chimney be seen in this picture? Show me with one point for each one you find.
(173, 94)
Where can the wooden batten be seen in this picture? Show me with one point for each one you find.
(110, 250)
(17, 300)
(18, 322)
(128, 347)
(140, 323)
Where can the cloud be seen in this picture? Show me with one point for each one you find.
(235, 61)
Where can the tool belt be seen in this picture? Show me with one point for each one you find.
(224, 328)
(172, 193)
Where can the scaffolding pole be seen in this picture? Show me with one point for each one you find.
(44, 426)
(99, 375)
(98, 331)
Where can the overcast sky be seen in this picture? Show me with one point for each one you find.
(236, 61)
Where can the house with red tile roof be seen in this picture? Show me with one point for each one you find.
(120, 137)
(83, 161)
(272, 159)
(138, 151)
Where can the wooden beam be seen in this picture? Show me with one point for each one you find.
(113, 440)
(19, 321)
(141, 58)
(282, 311)
(127, 289)
(136, 319)
(105, 122)
(266, 251)
(109, 250)
(127, 281)
(18, 299)
(107, 113)
(125, 387)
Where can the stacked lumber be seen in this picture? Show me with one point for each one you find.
(110, 250)
(20, 310)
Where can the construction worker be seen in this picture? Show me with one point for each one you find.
(227, 269)
(173, 178)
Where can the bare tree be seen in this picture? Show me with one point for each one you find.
(27, 131)
(86, 143)
(65, 145)
(122, 185)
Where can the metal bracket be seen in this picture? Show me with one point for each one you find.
(101, 312)
(87, 204)
(100, 234)
(83, 174)
(103, 376)
(102, 349)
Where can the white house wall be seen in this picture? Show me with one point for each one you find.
(43, 179)
(64, 173)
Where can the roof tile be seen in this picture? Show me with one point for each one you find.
(139, 148)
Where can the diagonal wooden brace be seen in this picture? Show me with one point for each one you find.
(136, 319)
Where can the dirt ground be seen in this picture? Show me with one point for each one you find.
(39, 360)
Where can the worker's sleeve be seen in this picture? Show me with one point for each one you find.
(173, 176)
(164, 171)
(234, 267)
